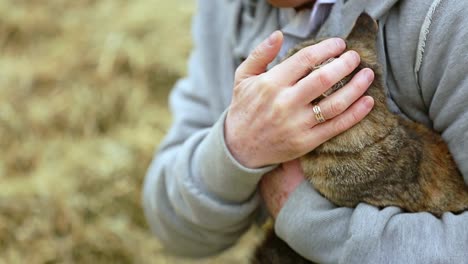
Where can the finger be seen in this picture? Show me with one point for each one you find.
(342, 99)
(322, 79)
(301, 63)
(325, 131)
(258, 60)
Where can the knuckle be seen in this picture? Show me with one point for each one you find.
(354, 119)
(310, 122)
(337, 107)
(264, 82)
(256, 54)
(264, 87)
(308, 56)
(281, 112)
(287, 97)
(332, 46)
(296, 144)
(279, 109)
(341, 125)
(324, 78)
(238, 71)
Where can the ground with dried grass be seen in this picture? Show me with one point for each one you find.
(83, 88)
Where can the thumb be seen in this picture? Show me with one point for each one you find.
(260, 57)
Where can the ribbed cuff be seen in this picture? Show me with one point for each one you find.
(220, 172)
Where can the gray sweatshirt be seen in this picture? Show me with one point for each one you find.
(199, 200)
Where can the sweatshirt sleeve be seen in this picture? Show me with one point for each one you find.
(327, 234)
(197, 198)
(321, 232)
(444, 79)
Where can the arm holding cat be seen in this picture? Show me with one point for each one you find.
(190, 217)
(324, 233)
(200, 190)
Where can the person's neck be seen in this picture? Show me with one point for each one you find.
(304, 6)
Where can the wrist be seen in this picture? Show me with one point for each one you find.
(220, 173)
(238, 149)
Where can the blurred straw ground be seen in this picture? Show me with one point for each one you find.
(83, 87)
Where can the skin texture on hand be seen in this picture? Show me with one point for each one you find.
(277, 185)
(271, 120)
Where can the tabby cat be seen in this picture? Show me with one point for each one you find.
(385, 160)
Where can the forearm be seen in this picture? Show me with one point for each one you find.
(324, 233)
(197, 199)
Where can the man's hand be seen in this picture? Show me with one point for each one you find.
(271, 120)
(277, 185)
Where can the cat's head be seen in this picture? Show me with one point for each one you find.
(361, 39)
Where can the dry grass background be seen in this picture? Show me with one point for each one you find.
(83, 87)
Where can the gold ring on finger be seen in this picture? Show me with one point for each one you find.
(318, 114)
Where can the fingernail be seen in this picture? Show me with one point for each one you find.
(271, 41)
(340, 43)
(368, 102)
(369, 76)
(355, 55)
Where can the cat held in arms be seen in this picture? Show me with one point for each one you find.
(385, 160)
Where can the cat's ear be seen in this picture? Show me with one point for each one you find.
(365, 30)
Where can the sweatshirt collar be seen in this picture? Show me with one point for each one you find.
(305, 22)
